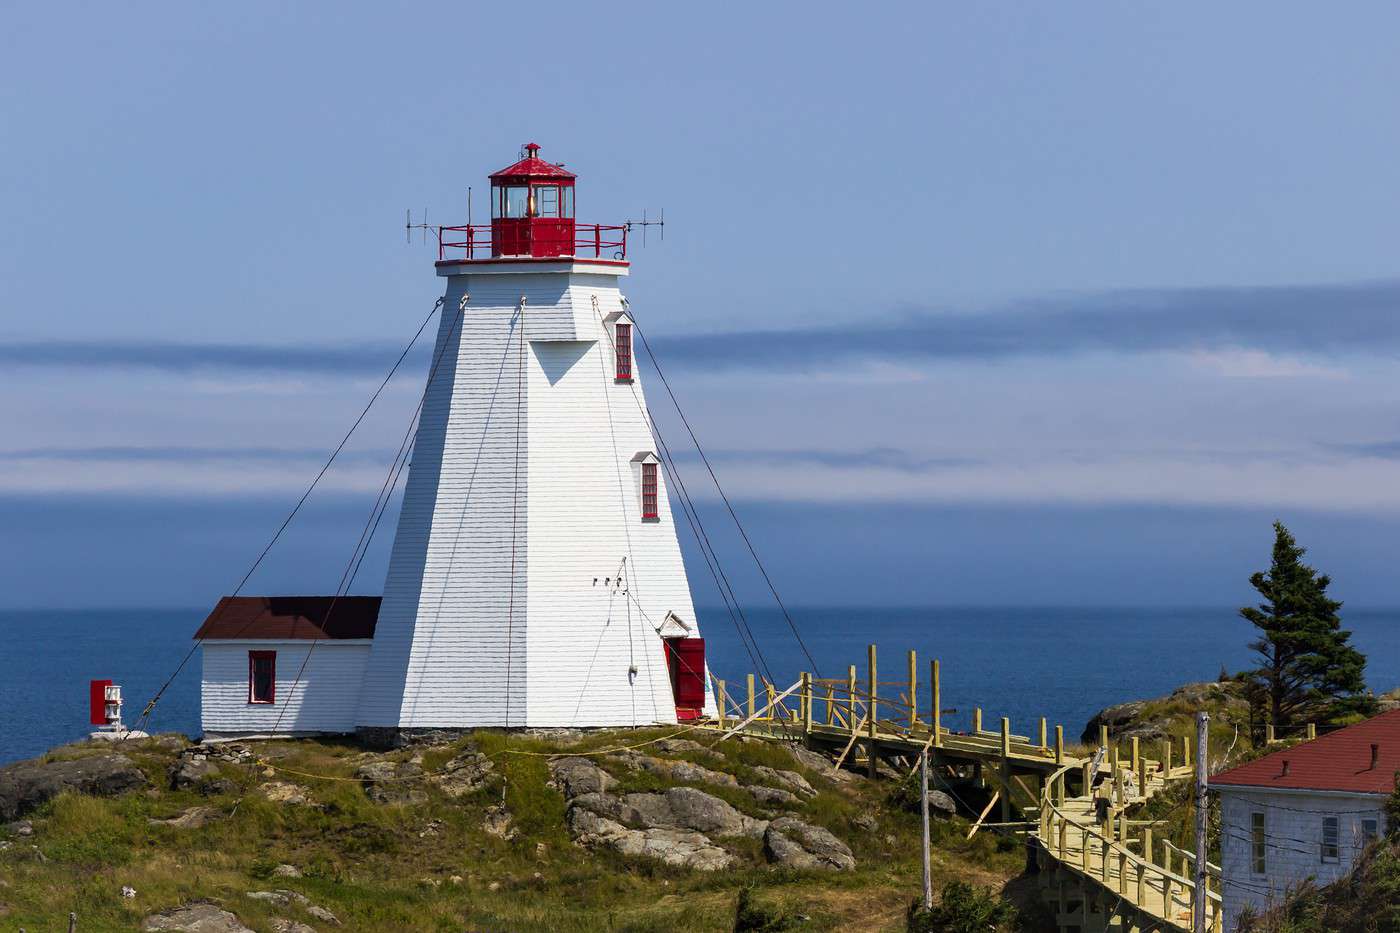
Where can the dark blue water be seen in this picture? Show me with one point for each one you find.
(1063, 664)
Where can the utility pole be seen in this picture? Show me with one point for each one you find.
(1201, 876)
(923, 809)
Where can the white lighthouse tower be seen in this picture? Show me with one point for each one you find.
(535, 577)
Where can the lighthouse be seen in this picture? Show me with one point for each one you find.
(535, 578)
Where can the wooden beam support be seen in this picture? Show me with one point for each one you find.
(937, 721)
(913, 688)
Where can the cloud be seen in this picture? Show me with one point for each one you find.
(873, 458)
(1277, 320)
(177, 454)
(1259, 364)
(332, 359)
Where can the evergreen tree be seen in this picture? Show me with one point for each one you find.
(1308, 670)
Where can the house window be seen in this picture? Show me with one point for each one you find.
(623, 345)
(1257, 843)
(1370, 829)
(1330, 839)
(262, 676)
(649, 490)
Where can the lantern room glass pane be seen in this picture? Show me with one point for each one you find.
(516, 201)
(568, 203)
(547, 201)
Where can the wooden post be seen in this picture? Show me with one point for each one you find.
(874, 709)
(1043, 745)
(1166, 757)
(976, 720)
(806, 702)
(1142, 777)
(752, 707)
(1142, 883)
(923, 810)
(1137, 752)
(1103, 738)
(768, 695)
(851, 694)
(1268, 733)
(1105, 872)
(1147, 845)
(1312, 731)
(913, 688)
(1006, 769)
(1064, 828)
(1198, 896)
(937, 704)
(1186, 750)
(830, 705)
(719, 688)
(1060, 746)
(1122, 872)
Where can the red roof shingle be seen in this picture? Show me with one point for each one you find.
(1338, 761)
(283, 617)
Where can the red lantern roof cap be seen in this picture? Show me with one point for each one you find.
(532, 166)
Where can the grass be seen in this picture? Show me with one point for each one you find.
(431, 866)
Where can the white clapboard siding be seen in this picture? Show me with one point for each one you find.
(325, 699)
(522, 491)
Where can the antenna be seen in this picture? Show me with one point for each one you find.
(645, 222)
(409, 226)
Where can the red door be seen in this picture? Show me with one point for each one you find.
(685, 659)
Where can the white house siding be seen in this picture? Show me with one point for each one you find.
(501, 480)
(325, 698)
(1293, 828)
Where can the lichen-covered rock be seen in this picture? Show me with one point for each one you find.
(941, 804)
(468, 772)
(282, 792)
(28, 784)
(1156, 718)
(195, 917)
(677, 808)
(672, 846)
(575, 775)
(497, 822)
(680, 770)
(790, 780)
(795, 844)
(283, 925)
(816, 761)
(773, 796)
(392, 782)
(681, 747)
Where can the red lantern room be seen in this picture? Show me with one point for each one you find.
(532, 208)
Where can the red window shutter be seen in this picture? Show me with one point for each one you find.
(262, 676)
(623, 344)
(649, 509)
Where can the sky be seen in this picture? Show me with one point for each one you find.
(968, 304)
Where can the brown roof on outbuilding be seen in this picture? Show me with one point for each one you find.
(1362, 759)
(284, 617)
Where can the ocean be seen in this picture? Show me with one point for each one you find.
(1064, 664)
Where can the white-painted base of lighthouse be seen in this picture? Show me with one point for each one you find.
(525, 587)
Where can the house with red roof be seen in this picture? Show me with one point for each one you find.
(1307, 811)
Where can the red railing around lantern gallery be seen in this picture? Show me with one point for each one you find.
(473, 241)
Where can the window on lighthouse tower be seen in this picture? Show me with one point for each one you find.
(623, 345)
(649, 497)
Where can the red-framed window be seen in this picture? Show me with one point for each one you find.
(623, 345)
(262, 676)
(649, 490)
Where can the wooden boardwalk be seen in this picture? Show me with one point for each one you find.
(1099, 866)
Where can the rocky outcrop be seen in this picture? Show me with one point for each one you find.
(28, 784)
(284, 898)
(941, 804)
(193, 818)
(772, 796)
(794, 844)
(1156, 718)
(575, 775)
(392, 782)
(467, 773)
(822, 765)
(672, 846)
(676, 808)
(283, 792)
(196, 917)
(789, 780)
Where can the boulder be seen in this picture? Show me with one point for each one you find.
(821, 764)
(1155, 718)
(677, 808)
(464, 774)
(772, 796)
(795, 844)
(681, 747)
(677, 770)
(941, 804)
(497, 822)
(286, 871)
(26, 785)
(392, 782)
(283, 925)
(575, 775)
(20, 828)
(790, 780)
(281, 897)
(196, 917)
(672, 846)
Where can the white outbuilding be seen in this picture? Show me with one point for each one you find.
(535, 578)
(1305, 812)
